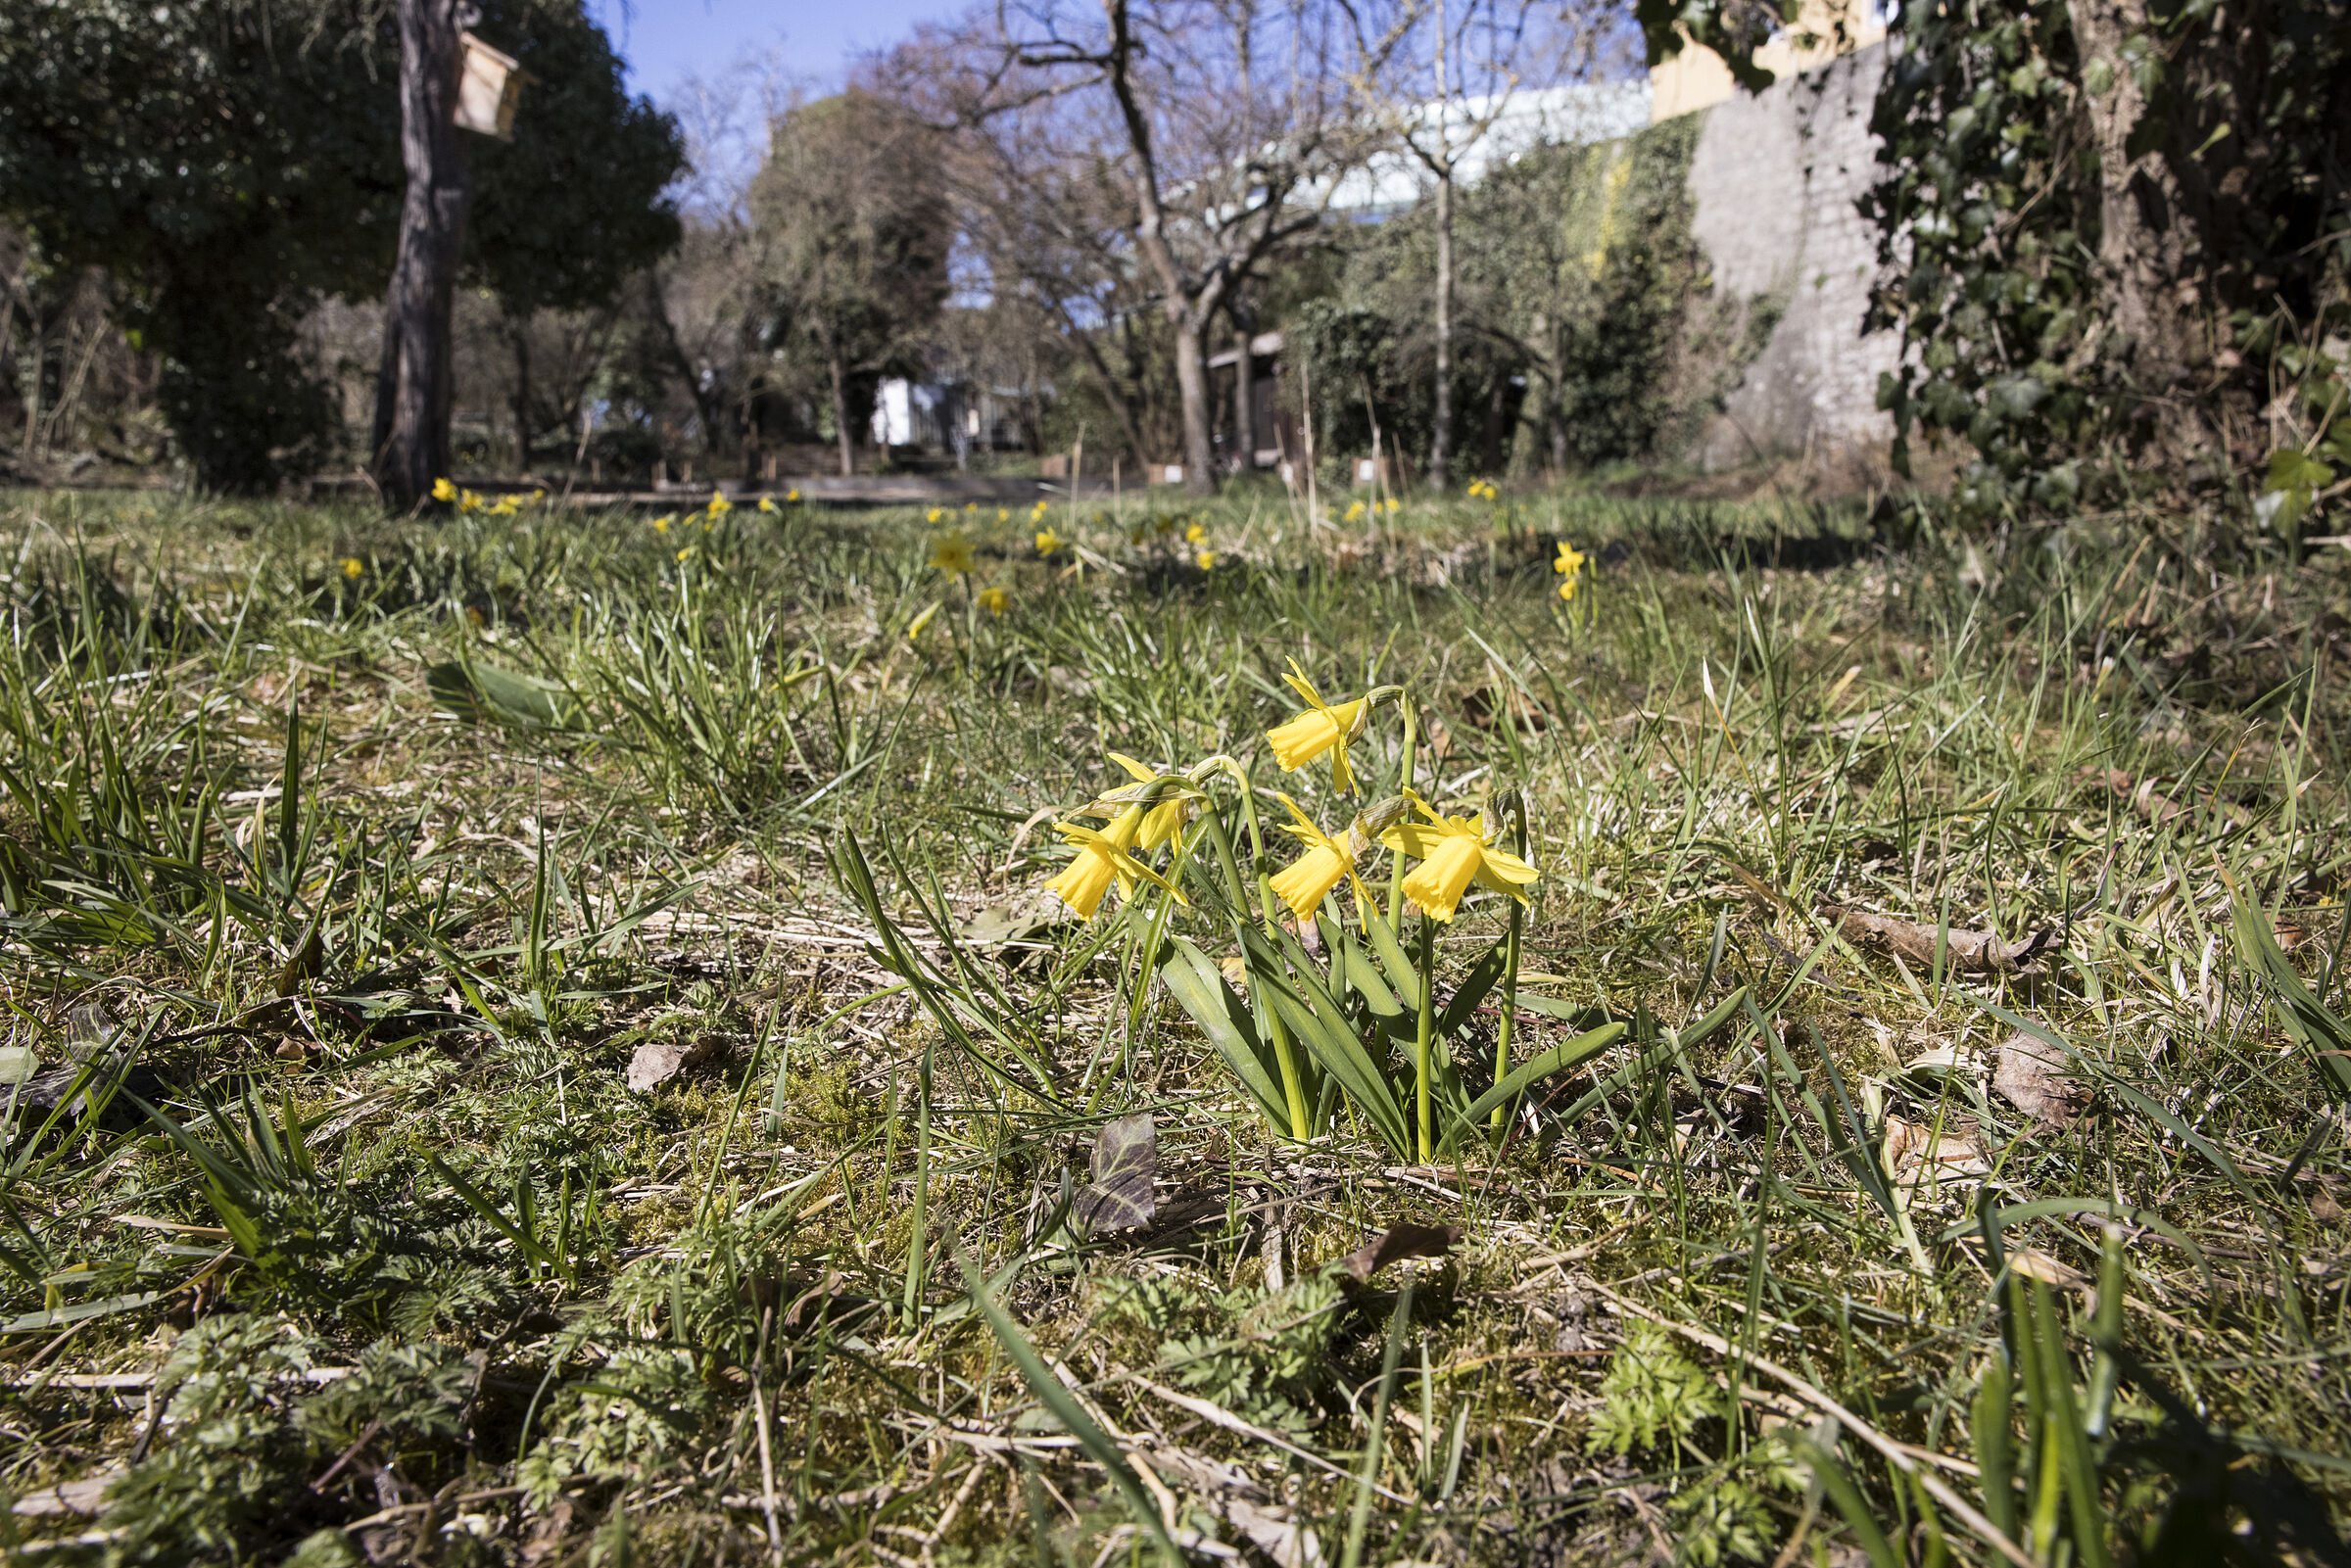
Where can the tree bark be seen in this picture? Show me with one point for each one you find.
(415, 383)
(1440, 441)
(841, 415)
(1244, 395)
(1191, 384)
(519, 334)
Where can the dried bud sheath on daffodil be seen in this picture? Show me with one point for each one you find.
(1453, 852)
(1321, 728)
(1312, 875)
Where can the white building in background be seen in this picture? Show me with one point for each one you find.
(1576, 115)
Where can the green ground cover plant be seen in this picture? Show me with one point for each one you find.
(579, 1037)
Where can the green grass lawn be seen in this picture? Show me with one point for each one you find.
(542, 1039)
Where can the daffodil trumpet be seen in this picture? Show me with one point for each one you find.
(1453, 852)
(1104, 857)
(1324, 727)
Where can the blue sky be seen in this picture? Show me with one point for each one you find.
(667, 40)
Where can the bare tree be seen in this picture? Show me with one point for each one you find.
(415, 386)
(1441, 78)
(1223, 121)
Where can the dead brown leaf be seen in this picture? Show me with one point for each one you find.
(2031, 1076)
(1399, 1241)
(1964, 952)
(1916, 1153)
(655, 1062)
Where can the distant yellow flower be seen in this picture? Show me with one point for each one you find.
(1195, 534)
(1004, 514)
(937, 515)
(719, 504)
(687, 554)
(468, 501)
(767, 504)
(1103, 858)
(995, 600)
(792, 498)
(1047, 542)
(352, 566)
(1312, 875)
(1038, 510)
(1570, 565)
(539, 495)
(1206, 560)
(1395, 506)
(1321, 728)
(661, 524)
(971, 505)
(951, 553)
(507, 507)
(1453, 852)
(916, 629)
(444, 491)
(1355, 513)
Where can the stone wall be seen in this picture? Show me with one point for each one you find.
(1774, 182)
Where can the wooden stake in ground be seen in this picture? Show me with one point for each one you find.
(413, 384)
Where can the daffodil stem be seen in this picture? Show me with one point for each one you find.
(917, 1244)
(1293, 1087)
(1412, 717)
(1428, 1033)
(1510, 960)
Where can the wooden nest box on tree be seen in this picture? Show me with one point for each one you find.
(489, 86)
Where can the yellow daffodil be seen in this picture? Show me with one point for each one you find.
(971, 505)
(1004, 514)
(444, 491)
(1038, 510)
(951, 553)
(1453, 852)
(1312, 875)
(352, 566)
(687, 554)
(792, 498)
(719, 504)
(995, 600)
(1206, 560)
(767, 504)
(1047, 542)
(1570, 565)
(1355, 513)
(537, 495)
(916, 630)
(468, 501)
(507, 507)
(1321, 728)
(1394, 506)
(1103, 858)
(1163, 821)
(661, 524)
(937, 515)
(1195, 534)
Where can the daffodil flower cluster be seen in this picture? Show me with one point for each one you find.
(1454, 853)
(1483, 490)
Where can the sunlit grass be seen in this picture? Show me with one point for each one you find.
(384, 881)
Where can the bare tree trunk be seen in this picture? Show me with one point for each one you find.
(2168, 205)
(1440, 444)
(519, 334)
(1191, 385)
(1244, 395)
(414, 385)
(841, 415)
